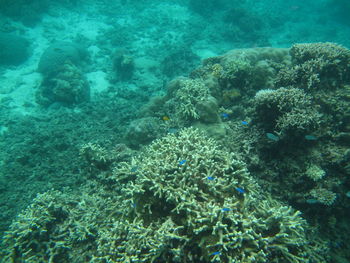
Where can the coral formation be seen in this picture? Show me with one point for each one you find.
(323, 196)
(186, 200)
(287, 111)
(315, 172)
(191, 99)
(66, 85)
(316, 66)
(123, 64)
(58, 54)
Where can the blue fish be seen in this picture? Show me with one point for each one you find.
(225, 115)
(272, 137)
(312, 201)
(210, 178)
(182, 162)
(173, 130)
(215, 253)
(240, 190)
(310, 137)
(244, 122)
(134, 169)
(225, 209)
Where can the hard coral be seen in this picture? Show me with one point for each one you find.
(187, 200)
(316, 66)
(285, 110)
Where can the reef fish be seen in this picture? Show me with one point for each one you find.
(240, 190)
(215, 253)
(225, 115)
(272, 137)
(225, 209)
(182, 162)
(244, 122)
(210, 178)
(310, 137)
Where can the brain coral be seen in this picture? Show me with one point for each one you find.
(187, 200)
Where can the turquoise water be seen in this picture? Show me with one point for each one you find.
(174, 131)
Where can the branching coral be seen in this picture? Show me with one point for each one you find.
(316, 66)
(186, 200)
(285, 110)
(191, 100)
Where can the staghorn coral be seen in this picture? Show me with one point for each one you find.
(315, 172)
(190, 99)
(316, 66)
(56, 227)
(324, 196)
(186, 200)
(286, 110)
(182, 200)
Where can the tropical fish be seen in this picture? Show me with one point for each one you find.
(272, 137)
(210, 178)
(225, 209)
(244, 122)
(312, 201)
(225, 115)
(166, 118)
(240, 190)
(215, 253)
(182, 162)
(310, 137)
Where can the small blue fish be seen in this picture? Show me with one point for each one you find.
(182, 162)
(312, 201)
(173, 130)
(310, 137)
(225, 115)
(272, 137)
(244, 122)
(225, 209)
(240, 190)
(215, 253)
(210, 178)
(134, 169)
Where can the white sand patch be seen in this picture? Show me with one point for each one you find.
(98, 82)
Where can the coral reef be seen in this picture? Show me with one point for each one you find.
(66, 85)
(58, 54)
(323, 196)
(286, 111)
(316, 66)
(123, 64)
(186, 200)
